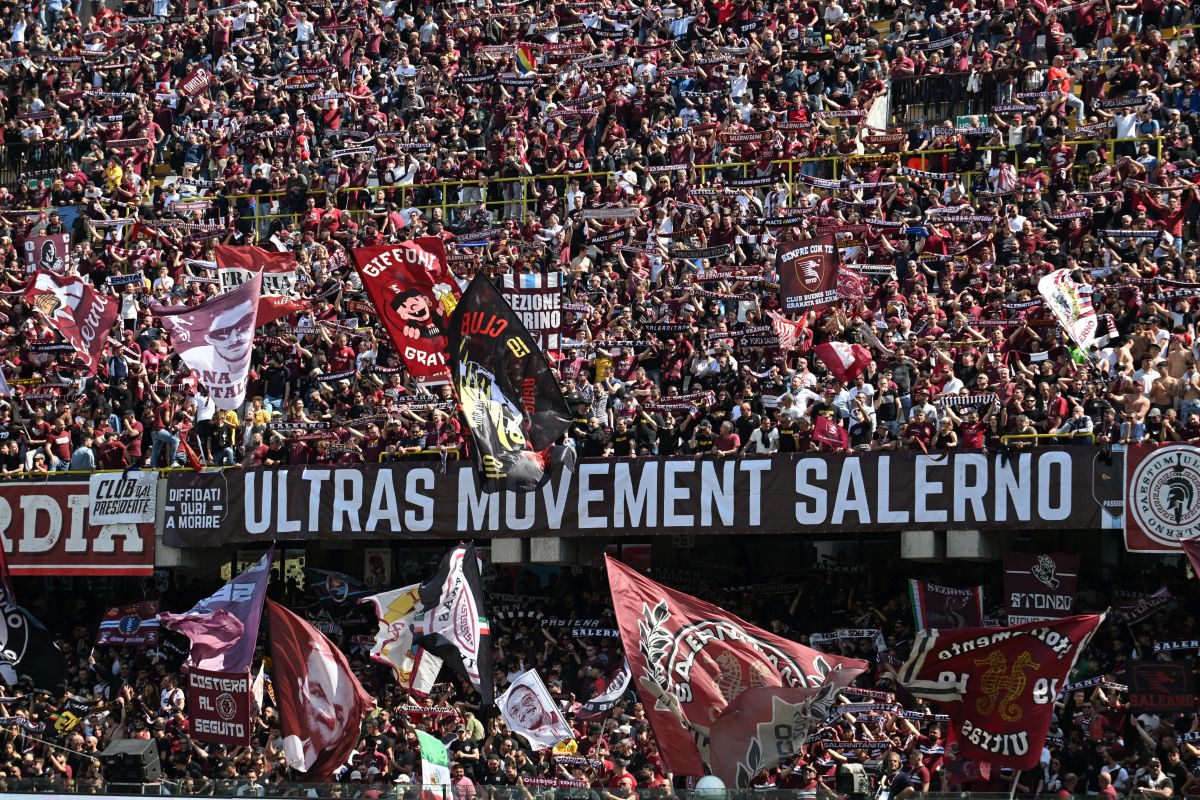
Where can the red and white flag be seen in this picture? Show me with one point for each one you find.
(76, 310)
(237, 265)
(998, 685)
(216, 339)
(413, 291)
(321, 703)
(767, 724)
(844, 361)
(1071, 303)
(691, 660)
(787, 331)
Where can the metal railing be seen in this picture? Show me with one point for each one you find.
(387, 790)
(516, 195)
(512, 197)
(1050, 438)
(18, 159)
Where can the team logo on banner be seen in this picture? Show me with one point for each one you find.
(808, 273)
(695, 660)
(1161, 686)
(219, 706)
(1039, 586)
(133, 625)
(1162, 504)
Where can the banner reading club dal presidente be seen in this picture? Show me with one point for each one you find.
(1050, 488)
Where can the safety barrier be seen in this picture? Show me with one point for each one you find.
(1051, 438)
(19, 160)
(42, 788)
(73, 474)
(511, 198)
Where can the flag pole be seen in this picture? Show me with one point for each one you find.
(1012, 792)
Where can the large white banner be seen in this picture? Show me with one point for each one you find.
(122, 497)
(1071, 303)
(530, 711)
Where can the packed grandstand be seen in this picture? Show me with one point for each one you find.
(738, 232)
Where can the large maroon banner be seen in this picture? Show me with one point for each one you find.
(1039, 586)
(219, 706)
(690, 660)
(1162, 497)
(47, 525)
(997, 684)
(414, 293)
(808, 273)
(321, 703)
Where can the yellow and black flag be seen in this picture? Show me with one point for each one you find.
(509, 395)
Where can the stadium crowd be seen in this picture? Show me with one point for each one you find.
(1098, 744)
(318, 127)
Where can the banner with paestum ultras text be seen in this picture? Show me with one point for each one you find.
(1050, 488)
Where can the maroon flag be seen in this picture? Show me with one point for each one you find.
(414, 293)
(997, 684)
(321, 703)
(1143, 608)
(237, 265)
(808, 273)
(851, 285)
(765, 725)
(76, 310)
(828, 432)
(946, 606)
(195, 83)
(274, 307)
(219, 706)
(1040, 586)
(216, 339)
(49, 253)
(690, 660)
(843, 360)
(1192, 548)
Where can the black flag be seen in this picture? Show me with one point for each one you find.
(26, 649)
(509, 395)
(452, 623)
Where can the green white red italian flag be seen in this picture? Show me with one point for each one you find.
(435, 766)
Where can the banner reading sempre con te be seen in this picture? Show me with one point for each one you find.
(1051, 488)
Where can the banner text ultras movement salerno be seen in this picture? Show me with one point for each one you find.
(1051, 489)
